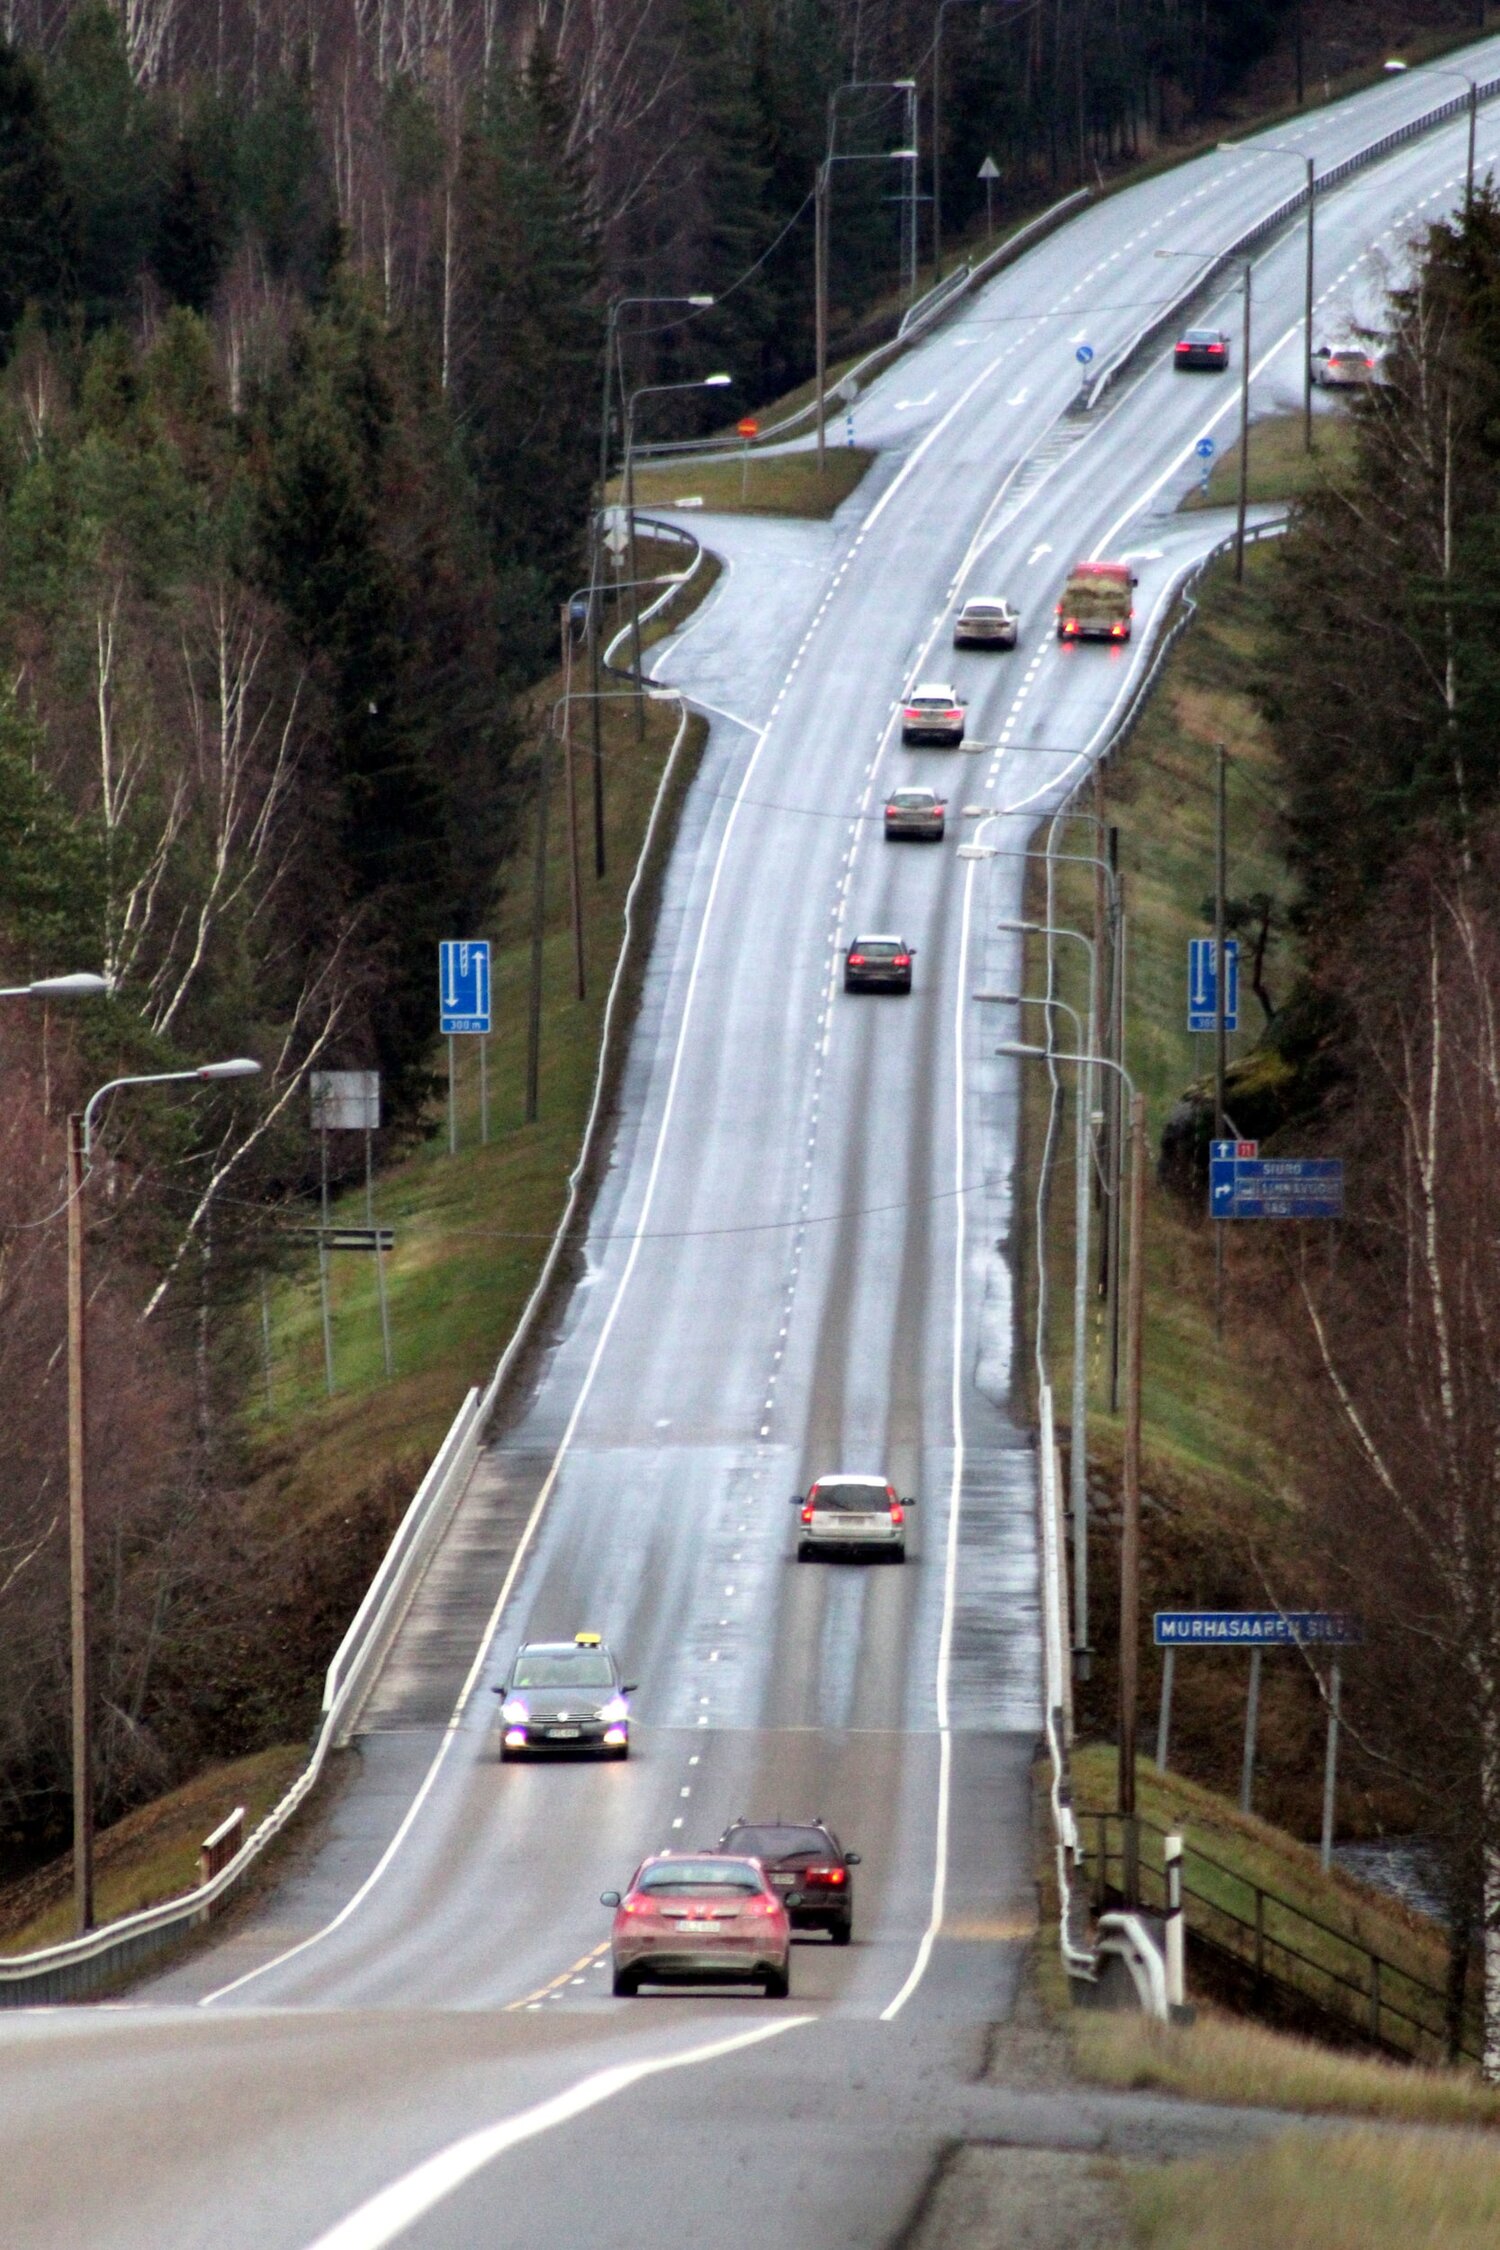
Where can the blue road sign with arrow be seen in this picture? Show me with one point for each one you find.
(464, 985)
(1204, 449)
(1243, 1184)
(1084, 354)
(1203, 984)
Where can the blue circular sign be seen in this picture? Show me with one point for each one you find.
(1204, 449)
(1085, 353)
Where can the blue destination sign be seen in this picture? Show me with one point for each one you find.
(1255, 1628)
(1203, 984)
(1274, 1187)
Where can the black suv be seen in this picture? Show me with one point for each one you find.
(807, 1867)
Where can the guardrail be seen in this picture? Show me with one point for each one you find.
(1268, 1945)
(1057, 1693)
(937, 301)
(91, 1964)
(1208, 275)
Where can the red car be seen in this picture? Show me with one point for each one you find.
(696, 1918)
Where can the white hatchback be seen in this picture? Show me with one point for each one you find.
(852, 1512)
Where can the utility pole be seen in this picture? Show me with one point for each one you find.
(78, 1561)
(1116, 1125)
(538, 934)
(820, 295)
(1239, 527)
(1130, 1536)
(596, 718)
(575, 890)
(1221, 856)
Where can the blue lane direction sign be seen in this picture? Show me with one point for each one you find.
(464, 985)
(1204, 449)
(1084, 354)
(1203, 983)
(1256, 1628)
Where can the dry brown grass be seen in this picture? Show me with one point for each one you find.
(1366, 2191)
(767, 484)
(151, 1854)
(1221, 2059)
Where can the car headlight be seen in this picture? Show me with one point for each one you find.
(613, 1711)
(514, 1712)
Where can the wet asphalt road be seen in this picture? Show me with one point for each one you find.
(799, 1261)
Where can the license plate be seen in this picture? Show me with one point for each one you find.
(562, 1734)
(784, 1882)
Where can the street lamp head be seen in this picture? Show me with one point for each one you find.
(1395, 64)
(83, 981)
(701, 301)
(716, 382)
(976, 851)
(1019, 1047)
(238, 1066)
(903, 155)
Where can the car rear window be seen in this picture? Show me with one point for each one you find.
(847, 1499)
(700, 1875)
(563, 1668)
(914, 800)
(781, 1843)
(1203, 336)
(984, 609)
(877, 948)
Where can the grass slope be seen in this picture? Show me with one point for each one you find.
(1362, 2191)
(755, 484)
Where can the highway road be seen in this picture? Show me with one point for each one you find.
(800, 1260)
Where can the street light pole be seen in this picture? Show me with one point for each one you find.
(821, 181)
(80, 1140)
(1272, 148)
(1244, 493)
(1130, 1481)
(646, 390)
(614, 365)
(1430, 70)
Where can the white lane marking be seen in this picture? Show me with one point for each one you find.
(1022, 395)
(955, 1494)
(1037, 553)
(399, 2206)
(481, 1654)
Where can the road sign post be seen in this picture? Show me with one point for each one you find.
(463, 1010)
(989, 172)
(749, 428)
(1205, 450)
(348, 1101)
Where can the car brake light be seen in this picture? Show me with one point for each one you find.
(807, 1513)
(901, 961)
(761, 1903)
(831, 1876)
(898, 1513)
(636, 1906)
(1118, 632)
(856, 960)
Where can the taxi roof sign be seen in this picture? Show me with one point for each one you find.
(587, 1640)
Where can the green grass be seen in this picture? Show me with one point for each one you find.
(1361, 2191)
(1221, 2059)
(471, 1229)
(151, 1854)
(756, 484)
(1281, 468)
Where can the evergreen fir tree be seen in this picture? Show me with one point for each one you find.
(35, 220)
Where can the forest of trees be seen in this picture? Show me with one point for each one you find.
(1392, 825)
(302, 307)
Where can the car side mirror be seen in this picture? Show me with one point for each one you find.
(796, 1499)
(1322, 352)
(497, 1691)
(908, 1499)
(630, 1687)
(609, 1898)
(851, 1859)
(1133, 579)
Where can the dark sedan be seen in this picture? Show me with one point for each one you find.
(1207, 348)
(807, 1867)
(878, 964)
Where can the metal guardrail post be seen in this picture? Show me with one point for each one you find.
(1260, 1931)
(1374, 1995)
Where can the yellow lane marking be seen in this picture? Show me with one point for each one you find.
(544, 1991)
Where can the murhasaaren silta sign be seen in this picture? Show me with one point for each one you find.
(1255, 1628)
